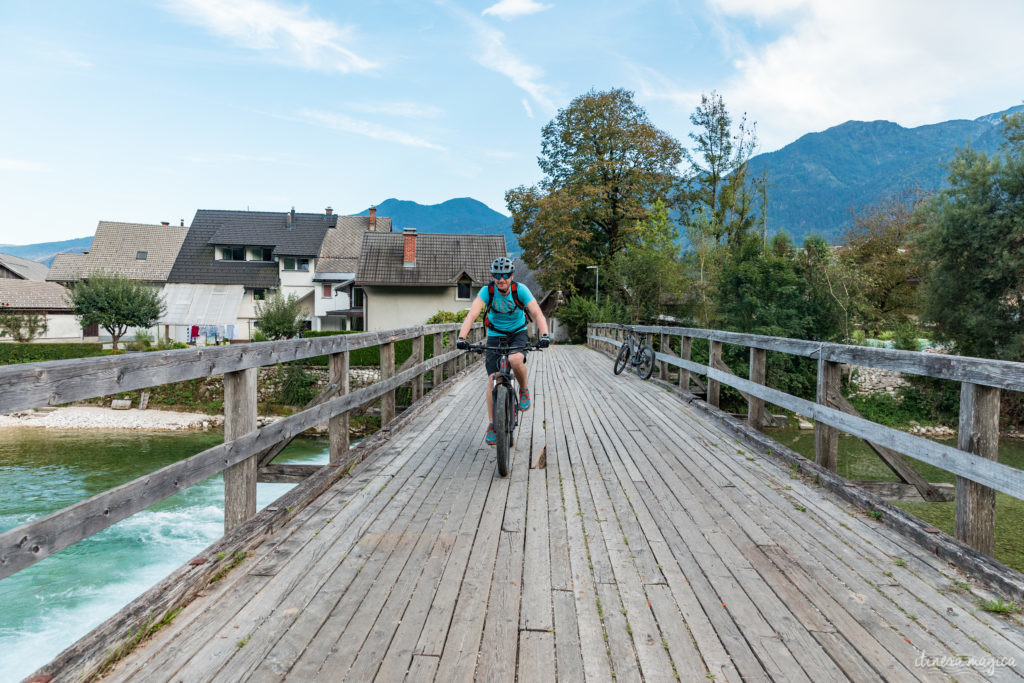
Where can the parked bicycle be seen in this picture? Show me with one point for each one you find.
(506, 401)
(635, 351)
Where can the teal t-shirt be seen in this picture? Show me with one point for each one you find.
(503, 314)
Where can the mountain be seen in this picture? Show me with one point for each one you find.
(465, 215)
(45, 251)
(816, 182)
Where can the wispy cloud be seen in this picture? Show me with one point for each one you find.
(348, 124)
(652, 85)
(499, 154)
(409, 110)
(527, 107)
(23, 166)
(291, 34)
(495, 56)
(838, 61)
(510, 9)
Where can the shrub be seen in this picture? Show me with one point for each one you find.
(905, 335)
(299, 386)
(11, 353)
(278, 316)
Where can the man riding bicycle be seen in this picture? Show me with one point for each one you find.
(510, 306)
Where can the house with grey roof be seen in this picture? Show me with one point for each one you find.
(230, 260)
(407, 277)
(17, 268)
(48, 299)
(139, 251)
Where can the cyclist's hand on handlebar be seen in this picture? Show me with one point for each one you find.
(462, 344)
(545, 342)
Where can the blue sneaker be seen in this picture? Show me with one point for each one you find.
(524, 399)
(490, 436)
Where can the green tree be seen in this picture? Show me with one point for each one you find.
(647, 275)
(279, 316)
(115, 303)
(21, 327)
(604, 165)
(877, 250)
(719, 206)
(972, 252)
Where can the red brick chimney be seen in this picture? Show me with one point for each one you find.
(328, 211)
(409, 247)
(373, 218)
(165, 223)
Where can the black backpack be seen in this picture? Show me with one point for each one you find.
(514, 290)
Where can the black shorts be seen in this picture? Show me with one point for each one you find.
(516, 339)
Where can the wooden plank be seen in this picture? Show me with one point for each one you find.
(498, 653)
(620, 646)
(423, 668)
(568, 650)
(23, 546)
(979, 434)
(64, 381)
(285, 474)
(439, 370)
(714, 386)
(536, 656)
(536, 606)
(387, 370)
(686, 661)
(758, 370)
(417, 353)
(826, 438)
(338, 426)
(239, 420)
(685, 346)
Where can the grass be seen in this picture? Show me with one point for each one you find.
(997, 606)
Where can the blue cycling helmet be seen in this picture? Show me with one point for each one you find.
(502, 265)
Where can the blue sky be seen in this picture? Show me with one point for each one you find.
(148, 110)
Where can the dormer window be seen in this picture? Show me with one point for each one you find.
(261, 253)
(463, 290)
(232, 253)
(141, 255)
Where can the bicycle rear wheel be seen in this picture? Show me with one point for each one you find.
(645, 362)
(622, 359)
(502, 415)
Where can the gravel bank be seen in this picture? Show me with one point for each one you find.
(92, 417)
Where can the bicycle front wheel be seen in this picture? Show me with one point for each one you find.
(622, 359)
(645, 362)
(502, 422)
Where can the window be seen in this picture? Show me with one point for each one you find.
(232, 253)
(296, 264)
(357, 297)
(141, 255)
(327, 291)
(463, 291)
(259, 295)
(288, 264)
(304, 264)
(261, 253)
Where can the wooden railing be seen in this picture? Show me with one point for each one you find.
(974, 462)
(34, 385)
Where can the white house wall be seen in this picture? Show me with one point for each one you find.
(393, 307)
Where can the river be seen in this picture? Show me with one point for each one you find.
(53, 603)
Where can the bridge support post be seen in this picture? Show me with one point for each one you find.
(387, 371)
(239, 420)
(337, 426)
(663, 348)
(439, 370)
(714, 360)
(758, 372)
(826, 438)
(685, 343)
(979, 434)
(417, 352)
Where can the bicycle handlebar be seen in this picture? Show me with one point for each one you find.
(480, 348)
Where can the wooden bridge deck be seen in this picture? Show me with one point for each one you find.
(652, 546)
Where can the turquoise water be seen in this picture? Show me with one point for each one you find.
(48, 606)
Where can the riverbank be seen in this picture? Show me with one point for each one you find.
(96, 417)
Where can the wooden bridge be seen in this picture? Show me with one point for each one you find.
(642, 535)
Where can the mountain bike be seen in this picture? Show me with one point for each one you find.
(637, 352)
(506, 400)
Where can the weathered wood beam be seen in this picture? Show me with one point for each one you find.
(417, 357)
(826, 438)
(239, 420)
(62, 381)
(27, 544)
(338, 426)
(758, 373)
(286, 474)
(387, 370)
(715, 361)
(893, 460)
(979, 434)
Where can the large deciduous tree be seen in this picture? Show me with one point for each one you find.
(973, 251)
(604, 166)
(115, 303)
(279, 316)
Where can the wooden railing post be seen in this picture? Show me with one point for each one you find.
(755, 406)
(387, 371)
(685, 343)
(826, 438)
(979, 434)
(439, 370)
(714, 360)
(417, 352)
(663, 348)
(239, 420)
(337, 426)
